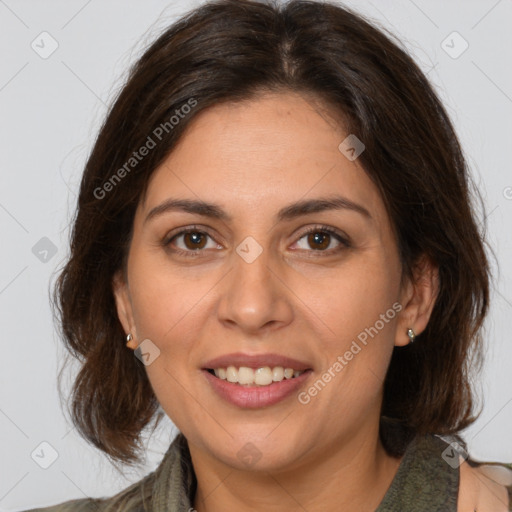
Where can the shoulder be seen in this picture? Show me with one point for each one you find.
(431, 474)
(164, 483)
(485, 487)
(77, 505)
(136, 497)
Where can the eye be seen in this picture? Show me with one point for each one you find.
(189, 242)
(322, 239)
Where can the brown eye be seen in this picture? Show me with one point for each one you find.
(322, 240)
(194, 240)
(190, 242)
(319, 239)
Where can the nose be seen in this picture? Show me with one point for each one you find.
(254, 296)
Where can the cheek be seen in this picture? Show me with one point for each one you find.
(166, 308)
(358, 311)
(352, 298)
(166, 300)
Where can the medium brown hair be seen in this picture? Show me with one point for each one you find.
(235, 50)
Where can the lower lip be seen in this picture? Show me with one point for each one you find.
(254, 397)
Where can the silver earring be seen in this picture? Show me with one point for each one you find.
(411, 335)
(129, 338)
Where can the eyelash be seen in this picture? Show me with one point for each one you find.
(315, 229)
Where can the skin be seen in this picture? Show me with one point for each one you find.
(479, 492)
(252, 159)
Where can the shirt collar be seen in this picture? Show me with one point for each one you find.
(175, 483)
(423, 481)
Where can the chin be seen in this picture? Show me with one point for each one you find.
(257, 451)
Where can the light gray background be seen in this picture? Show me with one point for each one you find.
(51, 110)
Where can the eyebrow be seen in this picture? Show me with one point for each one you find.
(292, 211)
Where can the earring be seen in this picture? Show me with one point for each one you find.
(411, 335)
(129, 338)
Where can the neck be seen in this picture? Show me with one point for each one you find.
(352, 475)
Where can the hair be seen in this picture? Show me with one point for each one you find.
(238, 50)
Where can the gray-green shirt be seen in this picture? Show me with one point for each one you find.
(425, 481)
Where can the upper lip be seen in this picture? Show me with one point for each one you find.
(254, 361)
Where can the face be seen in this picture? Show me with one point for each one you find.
(263, 280)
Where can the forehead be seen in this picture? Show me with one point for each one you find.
(259, 155)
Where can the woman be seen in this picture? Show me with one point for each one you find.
(277, 219)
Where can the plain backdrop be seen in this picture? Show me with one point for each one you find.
(51, 108)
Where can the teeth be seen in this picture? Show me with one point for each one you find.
(245, 375)
(263, 376)
(278, 374)
(231, 374)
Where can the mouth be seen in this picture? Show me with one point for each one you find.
(255, 381)
(262, 376)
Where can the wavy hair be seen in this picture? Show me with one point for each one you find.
(235, 50)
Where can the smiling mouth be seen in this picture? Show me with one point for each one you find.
(263, 376)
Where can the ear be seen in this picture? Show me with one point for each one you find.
(124, 307)
(417, 297)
